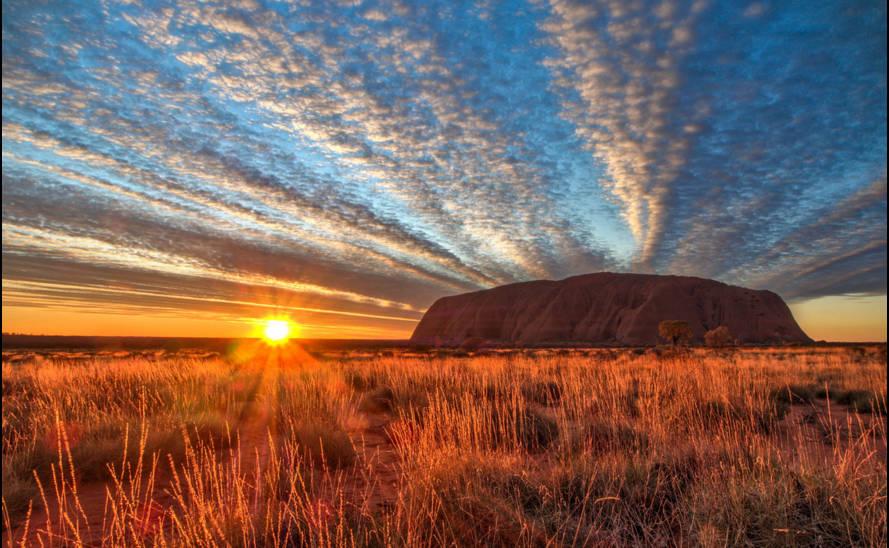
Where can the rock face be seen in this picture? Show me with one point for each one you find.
(606, 308)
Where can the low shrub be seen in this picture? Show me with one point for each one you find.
(862, 401)
(543, 393)
(380, 400)
(796, 394)
(324, 445)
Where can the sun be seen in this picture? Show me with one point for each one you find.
(276, 331)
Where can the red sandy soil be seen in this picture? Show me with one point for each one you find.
(374, 485)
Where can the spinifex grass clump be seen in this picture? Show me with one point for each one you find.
(572, 448)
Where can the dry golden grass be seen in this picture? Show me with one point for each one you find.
(551, 447)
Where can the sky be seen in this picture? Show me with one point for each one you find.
(176, 169)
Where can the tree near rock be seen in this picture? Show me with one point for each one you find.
(718, 336)
(675, 331)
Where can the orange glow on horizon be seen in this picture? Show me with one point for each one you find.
(844, 318)
(85, 322)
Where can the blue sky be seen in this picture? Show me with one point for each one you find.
(350, 162)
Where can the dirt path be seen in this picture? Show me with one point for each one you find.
(374, 486)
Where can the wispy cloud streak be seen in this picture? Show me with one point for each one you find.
(366, 158)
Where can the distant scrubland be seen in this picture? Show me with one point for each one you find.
(753, 446)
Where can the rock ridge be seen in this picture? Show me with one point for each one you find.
(606, 308)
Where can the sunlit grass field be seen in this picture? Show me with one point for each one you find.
(277, 447)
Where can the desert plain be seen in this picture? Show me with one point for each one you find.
(246, 444)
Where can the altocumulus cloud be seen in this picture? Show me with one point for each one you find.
(364, 158)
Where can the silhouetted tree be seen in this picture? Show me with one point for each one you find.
(674, 331)
(718, 336)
